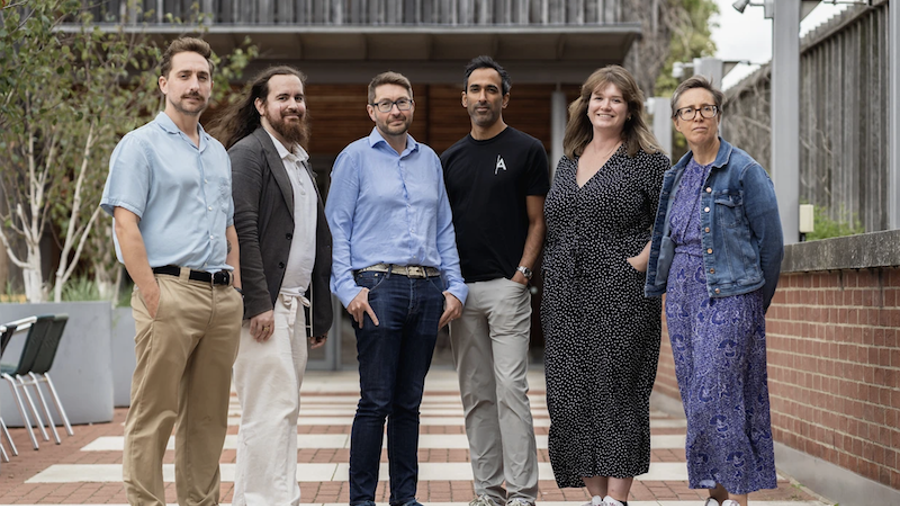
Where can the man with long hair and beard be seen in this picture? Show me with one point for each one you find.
(286, 263)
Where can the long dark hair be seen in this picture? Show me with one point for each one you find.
(241, 118)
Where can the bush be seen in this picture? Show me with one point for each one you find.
(827, 228)
(81, 289)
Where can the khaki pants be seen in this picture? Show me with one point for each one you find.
(267, 377)
(490, 348)
(183, 375)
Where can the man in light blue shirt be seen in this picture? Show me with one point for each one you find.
(169, 191)
(396, 270)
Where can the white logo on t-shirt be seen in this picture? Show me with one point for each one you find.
(500, 164)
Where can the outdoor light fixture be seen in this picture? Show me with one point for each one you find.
(769, 5)
(740, 5)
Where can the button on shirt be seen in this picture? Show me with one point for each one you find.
(390, 208)
(181, 193)
(302, 256)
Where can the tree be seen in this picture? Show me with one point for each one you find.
(691, 38)
(66, 98)
(673, 30)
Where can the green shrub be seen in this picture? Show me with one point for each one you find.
(80, 290)
(827, 228)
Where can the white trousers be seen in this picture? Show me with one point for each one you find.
(267, 377)
(490, 347)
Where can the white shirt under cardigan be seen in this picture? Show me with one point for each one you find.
(302, 257)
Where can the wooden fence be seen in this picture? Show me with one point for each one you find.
(367, 12)
(844, 111)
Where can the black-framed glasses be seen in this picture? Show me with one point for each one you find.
(688, 113)
(403, 104)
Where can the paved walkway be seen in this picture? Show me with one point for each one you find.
(87, 468)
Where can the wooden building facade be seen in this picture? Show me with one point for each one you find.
(548, 47)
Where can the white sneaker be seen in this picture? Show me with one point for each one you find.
(517, 501)
(711, 502)
(595, 501)
(729, 502)
(609, 501)
(482, 500)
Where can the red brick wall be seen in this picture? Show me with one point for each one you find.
(834, 368)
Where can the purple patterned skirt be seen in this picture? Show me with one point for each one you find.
(720, 361)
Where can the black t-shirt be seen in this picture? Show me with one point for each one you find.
(487, 183)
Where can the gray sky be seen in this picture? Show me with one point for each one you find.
(748, 36)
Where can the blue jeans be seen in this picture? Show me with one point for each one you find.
(394, 358)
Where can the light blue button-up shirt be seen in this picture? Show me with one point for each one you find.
(388, 208)
(181, 193)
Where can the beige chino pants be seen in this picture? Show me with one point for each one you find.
(267, 377)
(490, 348)
(183, 380)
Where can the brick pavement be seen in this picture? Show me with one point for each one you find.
(328, 405)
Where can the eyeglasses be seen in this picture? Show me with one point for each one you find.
(688, 113)
(403, 104)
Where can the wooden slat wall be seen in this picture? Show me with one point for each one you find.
(379, 12)
(339, 115)
(843, 117)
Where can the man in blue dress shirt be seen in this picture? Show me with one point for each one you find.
(169, 191)
(396, 270)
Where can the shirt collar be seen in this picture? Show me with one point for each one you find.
(169, 126)
(298, 153)
(375, 138)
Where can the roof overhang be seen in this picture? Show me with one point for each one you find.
(425, 53)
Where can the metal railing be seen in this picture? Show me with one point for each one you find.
(361, 12)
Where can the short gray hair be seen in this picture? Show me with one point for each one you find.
(697, 82)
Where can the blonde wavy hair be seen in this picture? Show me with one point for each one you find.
(635, 133)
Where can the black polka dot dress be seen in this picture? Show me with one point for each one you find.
(602, 335)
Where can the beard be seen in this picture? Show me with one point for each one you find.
(294, 132)
(486, 118)
(385, 126)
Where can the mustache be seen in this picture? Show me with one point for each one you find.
(191, 95)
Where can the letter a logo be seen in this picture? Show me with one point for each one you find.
(500, 164)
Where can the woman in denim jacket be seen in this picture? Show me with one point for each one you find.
(716, 253)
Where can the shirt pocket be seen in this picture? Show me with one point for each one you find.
(729, 207)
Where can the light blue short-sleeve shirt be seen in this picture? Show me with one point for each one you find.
(181, 193)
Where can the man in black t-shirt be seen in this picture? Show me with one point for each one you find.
(496, 179)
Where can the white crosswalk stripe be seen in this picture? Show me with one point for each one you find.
(428, 471)
(548, 503)
(450, 421)
(316, 441)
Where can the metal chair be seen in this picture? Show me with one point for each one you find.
(6, 333)
(39, 373)
(33, 341)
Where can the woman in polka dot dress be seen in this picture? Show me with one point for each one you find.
(602, 334)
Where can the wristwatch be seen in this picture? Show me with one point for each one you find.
(525, 271)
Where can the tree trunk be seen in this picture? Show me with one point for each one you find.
(31, 272)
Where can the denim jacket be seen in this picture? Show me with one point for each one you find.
(741, 230)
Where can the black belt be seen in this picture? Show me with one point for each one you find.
(222, 277)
